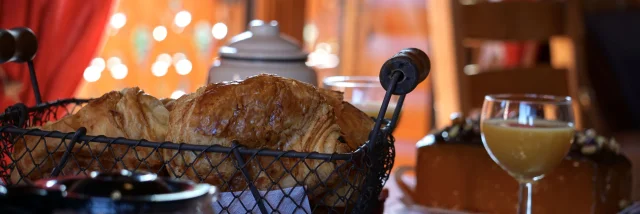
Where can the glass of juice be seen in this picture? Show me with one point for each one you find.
(364, 92)
(527, 135)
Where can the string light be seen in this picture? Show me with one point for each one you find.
(177, 57)
(322, 59)
(160, 68)
(182, 18)
(92, 73)
(113, 61)
(118, 20)
(165, 58)
(99, 63)
(219, 30)
(177, 94)
(323, 47)
(159, 33)
(183, 67)
(332, 61)
(119, 71)
(310, 33)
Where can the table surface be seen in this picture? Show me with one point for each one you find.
(405, 156)
(394, 202)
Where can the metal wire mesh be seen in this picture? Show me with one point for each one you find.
(334, 183)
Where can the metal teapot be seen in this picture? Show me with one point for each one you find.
(114, 192)
(262, 49)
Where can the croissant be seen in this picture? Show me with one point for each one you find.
(355, 127)
(168, 103)
(260, 112)
(354, 124)
(128, 113)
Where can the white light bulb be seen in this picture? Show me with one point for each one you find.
(177, 94)
(159, 33)
(119, 71)
(323, 47)
(118, 20)
(219, 30)
(99, 63)
(182, 19)
(310, 33)
(160, 68)
(91, 73)
(183, 67)
(177, 57)
(332, 61)
(112, 62)
(165, 58)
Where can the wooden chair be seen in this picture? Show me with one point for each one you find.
(554, 21)
(583, 61)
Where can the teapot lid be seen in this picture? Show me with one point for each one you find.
(263, 42)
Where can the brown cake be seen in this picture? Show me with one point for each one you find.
(455, 172)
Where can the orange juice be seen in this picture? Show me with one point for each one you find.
(529, 151)
(373, 108)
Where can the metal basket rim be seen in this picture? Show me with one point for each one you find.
(172, 145)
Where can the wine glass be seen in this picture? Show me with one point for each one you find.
(528, 135)
(363, 92)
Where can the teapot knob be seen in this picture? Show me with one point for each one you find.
(260, 28)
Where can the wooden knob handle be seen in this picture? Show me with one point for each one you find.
(414, 65)
(17, 45)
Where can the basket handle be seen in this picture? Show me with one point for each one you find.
(412, 63)
(20, 45)
(399, 75)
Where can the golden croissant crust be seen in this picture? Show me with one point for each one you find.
(355, 127)
(128, 113)
(263, 111)
(354, 124)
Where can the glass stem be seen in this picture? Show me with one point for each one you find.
(524, 200)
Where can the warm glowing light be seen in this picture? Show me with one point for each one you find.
(112, 62)
(119, 71)
(177, 94)
(310, 33)
(183, 67)
(99, 63)
(182, 19)
(324, 47)
(332, 61)
(160, 68)
(118, 20)
(321, 59)
(160, 33)
(165, 58)
(92, 73)
(219, 30)
(177, 57)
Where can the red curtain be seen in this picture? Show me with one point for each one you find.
(69, 32)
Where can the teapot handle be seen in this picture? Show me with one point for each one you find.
(404, 188)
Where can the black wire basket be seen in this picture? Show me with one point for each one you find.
(352, 186)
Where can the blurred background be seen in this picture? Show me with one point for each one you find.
(166, 47)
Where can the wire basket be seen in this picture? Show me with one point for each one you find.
(352, 186)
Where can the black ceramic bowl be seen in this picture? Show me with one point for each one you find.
(118, 192)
